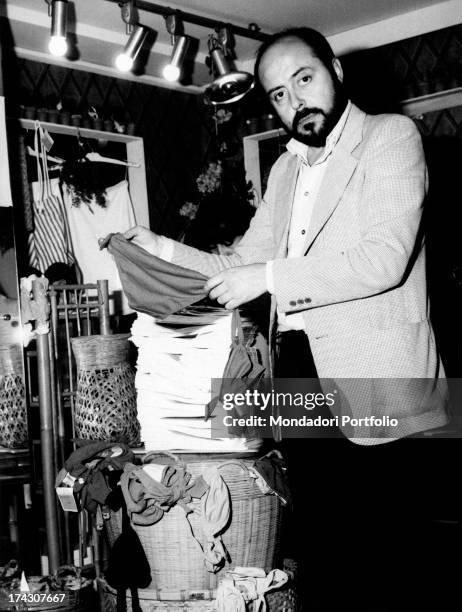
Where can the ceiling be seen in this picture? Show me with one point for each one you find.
(328, 16)
(99, 32)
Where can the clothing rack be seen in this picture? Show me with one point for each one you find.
(135, 153)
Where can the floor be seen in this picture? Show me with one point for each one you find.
(424, 576)
(378, 530)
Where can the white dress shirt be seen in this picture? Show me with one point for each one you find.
(309, 181)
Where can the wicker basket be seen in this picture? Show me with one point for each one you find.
(252, 538)
(283, 600)
(13, 411)
(149, 600)
(106, 396)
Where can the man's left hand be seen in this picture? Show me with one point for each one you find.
(237, 286)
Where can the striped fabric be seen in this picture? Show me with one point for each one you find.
(50, 241)
(25, 191)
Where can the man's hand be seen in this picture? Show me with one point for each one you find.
(237, 286)
(144, 238)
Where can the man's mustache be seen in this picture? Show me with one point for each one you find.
(301, 114)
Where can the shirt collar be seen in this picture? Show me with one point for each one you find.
(298, 148)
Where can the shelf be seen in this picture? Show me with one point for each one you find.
(135, 153)
(257, 137)
(432, 102)
(70, 130)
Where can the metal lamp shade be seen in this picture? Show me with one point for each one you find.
(231, 85)
(135, 42)
(59, 18)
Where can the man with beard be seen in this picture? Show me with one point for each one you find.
(337, 243)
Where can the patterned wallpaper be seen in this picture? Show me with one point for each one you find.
(409, 68)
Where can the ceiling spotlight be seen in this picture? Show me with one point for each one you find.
(180, 42)
(172, 71)
(230, 85)
(57, 9)
(125, 60)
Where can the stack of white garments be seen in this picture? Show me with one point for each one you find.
(177, 360)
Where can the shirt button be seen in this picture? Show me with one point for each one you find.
(293, 303)
(303, 232)
(307, 193)
(307, 300)
(300, 301)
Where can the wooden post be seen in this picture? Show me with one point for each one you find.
(46, 424)
(103, 298)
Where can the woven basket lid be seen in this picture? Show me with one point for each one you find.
(100, 351)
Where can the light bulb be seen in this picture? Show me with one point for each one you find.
(58, 46)
(171, 72)
(123, 62)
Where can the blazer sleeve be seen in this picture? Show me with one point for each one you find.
(256, 246)
(391, 209)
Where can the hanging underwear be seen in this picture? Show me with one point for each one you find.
(152, 285)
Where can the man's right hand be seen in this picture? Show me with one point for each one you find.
(144, 238)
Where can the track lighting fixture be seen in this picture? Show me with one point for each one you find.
(125, 60)
(138, 33)
(230, 85)
(57, 9)
(172, 71)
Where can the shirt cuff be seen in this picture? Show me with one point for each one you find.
(269, 277)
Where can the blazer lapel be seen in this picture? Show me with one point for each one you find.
(285, 197)
(338, 173)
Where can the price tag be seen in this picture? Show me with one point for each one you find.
(47, 140)
(68, 480)
(67, 499)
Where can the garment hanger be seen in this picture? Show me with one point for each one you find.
(34, 153)
(83, 145)
(96, 157)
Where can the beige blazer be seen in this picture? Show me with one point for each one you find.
(361, 284)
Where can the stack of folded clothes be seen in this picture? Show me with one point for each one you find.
(177, 359)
